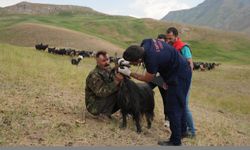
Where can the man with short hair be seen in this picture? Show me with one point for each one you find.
(162, 37)
(172, 38)
(184, 49)
(101, 87)
(159, 56)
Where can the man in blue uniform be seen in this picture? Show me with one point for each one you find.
(160, 57)
(174, 40)
(158, 81)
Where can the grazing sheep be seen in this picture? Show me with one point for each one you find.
(204, 66)
(51, 50)
(41, 46)
(76, 61)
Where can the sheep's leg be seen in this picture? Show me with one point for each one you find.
(137, 123)
(149, 120)
(124, 120)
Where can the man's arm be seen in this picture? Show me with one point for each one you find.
(146, 78)
(190, 61)
(186, 52)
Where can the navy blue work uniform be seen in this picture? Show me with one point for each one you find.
(153, 84)
(175, 71)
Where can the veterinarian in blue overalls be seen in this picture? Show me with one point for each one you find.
(160, 57)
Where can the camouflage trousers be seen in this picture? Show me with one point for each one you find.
(104, 105)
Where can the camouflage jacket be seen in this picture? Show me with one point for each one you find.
(99, 86)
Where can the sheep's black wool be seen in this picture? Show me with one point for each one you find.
(136, 99)
(41, 47)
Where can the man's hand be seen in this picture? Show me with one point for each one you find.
(124, 70)
(123, 62)
(191, 64)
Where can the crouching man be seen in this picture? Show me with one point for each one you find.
(101, 88)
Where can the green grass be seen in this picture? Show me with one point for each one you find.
(28, 64)
(225, 89)
(237, 53)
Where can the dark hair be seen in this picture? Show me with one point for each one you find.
(104, 53)
(133, 53)
(173, 30)
(161, 36)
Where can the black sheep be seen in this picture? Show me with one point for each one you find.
(136, 99)
(41, 46)
(76, 61)
(51, 50)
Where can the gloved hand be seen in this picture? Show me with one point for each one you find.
(124, 70)
(123, 62)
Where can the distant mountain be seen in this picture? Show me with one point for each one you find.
(233, 15)
(44, 9)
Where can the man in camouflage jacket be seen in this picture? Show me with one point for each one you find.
(101, 87)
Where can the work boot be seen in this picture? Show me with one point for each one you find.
(188, 135)
(167, 143)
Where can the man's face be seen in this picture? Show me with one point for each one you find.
(171, 38)
(103, 61)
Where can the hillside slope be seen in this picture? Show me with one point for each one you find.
(29, 34)
(206, 44)
(42, 96)
(230, 15)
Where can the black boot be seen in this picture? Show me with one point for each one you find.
(167, 143)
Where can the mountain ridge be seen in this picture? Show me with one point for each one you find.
(229, 15)
(45, 9)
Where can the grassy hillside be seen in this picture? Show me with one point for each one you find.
(28, 34)
(207, 44)
(42, 95)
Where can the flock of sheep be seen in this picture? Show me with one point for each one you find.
(203, 66)
(66, 51)
(80, 54)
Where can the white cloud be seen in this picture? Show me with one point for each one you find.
(4, 3)
(156, 8)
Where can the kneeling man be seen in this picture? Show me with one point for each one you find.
(101, 87)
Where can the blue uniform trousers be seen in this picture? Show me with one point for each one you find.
(176, 107)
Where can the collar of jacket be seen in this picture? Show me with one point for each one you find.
(178, 44)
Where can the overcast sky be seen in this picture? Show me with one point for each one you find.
(137, 8)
